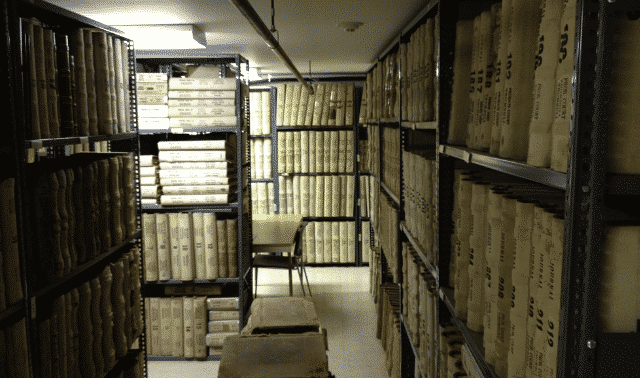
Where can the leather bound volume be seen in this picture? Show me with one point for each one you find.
(63, 220)
(199, 327)
(311, 151)
(297, 152)
(326, 104)
(41, 79)
(34, 130)
(344, 241)
(310, 231)
(174, 243)
(154, 321)
(289, 152)
(304, 196)
(329, 161)
(351, 242)
(290, 194)
(81, 221)
(117, 229)
(319, 90)
(112, 84)
(211, 245)
(166, 323)
(302, 105)
(327, 193)
(71, 217)
(336, 242)
(304, 152)
(320, 196)
(76, 42)
(349, 158)
(187, 254)
(199, 245)
(312, 196)
(232, 247)
(49, 44)
(297, 200)
(337, 201)
(177, 327)
(319, 151)
(223, 254)
(106, 309)
(103, 93)
(104, 208)
(341, 103)
(118, 304)
(188, 320)
(265, 113)
(295, 104)
(282, 153)
(349, 111)
(280, 104)
(92, 108)
(311, 100)
(12, 288)
(288, 104)
(334, 152)
(328, 241)
(342, 151)
(266, 158)
(319, 241)
(349, 198)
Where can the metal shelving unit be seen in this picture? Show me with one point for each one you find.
(16, 160)
(240, 286)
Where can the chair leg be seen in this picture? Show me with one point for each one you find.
(299, 271)
(290, 283)
(255, 278)
(305, 276)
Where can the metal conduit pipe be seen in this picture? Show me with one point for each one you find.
(254, 19)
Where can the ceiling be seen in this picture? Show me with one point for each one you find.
(308, 29)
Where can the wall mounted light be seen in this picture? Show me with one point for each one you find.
(161, 37)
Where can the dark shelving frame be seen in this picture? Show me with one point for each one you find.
(242, 194)
(37, 302)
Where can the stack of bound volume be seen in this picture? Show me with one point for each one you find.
(202, 103)
(317, 196)
(194, 172)
(315, 152)
(260, 120)
(329, 242)
(153, 111)
(149, 180)
(223, 322)
(260, 158)
(187, 246)
(176, 326)
(77, 80)
(330, 105)
(262, 198)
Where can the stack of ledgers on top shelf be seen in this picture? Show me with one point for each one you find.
(202, 103)
(104, 313)
(262, 198)
(176, 326)
(149, 180)
(187, 246)
(317, 196)
(10, 278)
(329, 242)
(389, 327)
(153, 109)
(315, 152)
(84, 205)
(194, 172)
(260, 158)
(260, 119)
(330, 105)
(78, 81)
(419, 308)
(418, 169)
(223, 322)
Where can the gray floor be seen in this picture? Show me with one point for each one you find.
(345, 309)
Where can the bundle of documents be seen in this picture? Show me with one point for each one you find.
(202, 103)
(153, 110)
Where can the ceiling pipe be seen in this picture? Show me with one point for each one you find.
(254, 19)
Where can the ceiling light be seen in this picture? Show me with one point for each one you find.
(164, 37)
(350, 26)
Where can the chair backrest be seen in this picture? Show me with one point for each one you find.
(297, 252)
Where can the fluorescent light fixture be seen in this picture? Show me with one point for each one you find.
(164, 37)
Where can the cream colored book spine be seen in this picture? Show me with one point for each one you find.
(342, 151)
(232, 247)
(196, 189)
(223, 260)
(310, 231)
(319, 208)
(156, 334)
(199, 245)
(304, 151)
(177, 327)
(199, 327)
(149, 237)
(336, 242)
(302, 106)
(336, 196)
(324, 121)
(195, 199)
(297, 152)
(295, 105)
(297, 201)
(349, 199)
(482, 91)
(212, 165)
(282, 153)
(271, 200)
(259, 195)
(319, 151)
(290, 194)
(186, 247)
(265, 113)
(333, 104)
(492, 259)
(266, 158)
(187, 331)
(311, 99)
(304, 194)
(192, 145)
(328, 158)
(328, 242)
(121, 84)
(166, 322)
(344, 242)
(341, 104)
(318, 104)
(500, 76)
(210, 246)
(103, 99)
(174, 239)
(282, 194)
(351, 242)
(254, 117)
(288, 104)
(289, 152)
(189, 156)
(258, 145)
(319, 241)
(553, 309)
(280, 104)
(539, 153)
(336, 158)
(348, 114)
(328, 196)
(163, 246)
(473, 95)
(176, 181)
(476, 259)
(519, 83)
(349, 148)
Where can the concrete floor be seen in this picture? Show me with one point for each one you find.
(345, 309)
